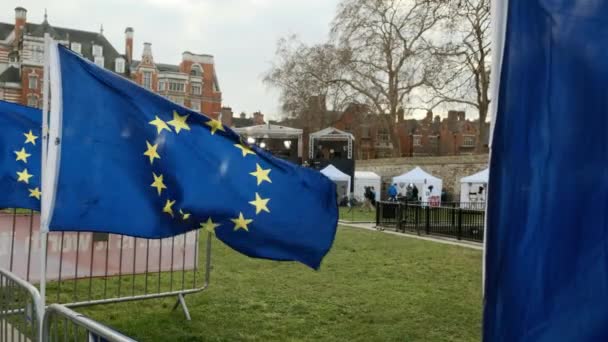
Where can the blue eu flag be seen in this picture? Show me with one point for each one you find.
(137, 164)
(19, 156)
(547, 241)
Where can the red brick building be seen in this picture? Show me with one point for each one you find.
(192, 83)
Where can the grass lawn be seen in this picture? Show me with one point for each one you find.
(371, 287)
(357, 214)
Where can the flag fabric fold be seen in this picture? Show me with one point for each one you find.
(134, 163)
(20, 142)
(547, 248)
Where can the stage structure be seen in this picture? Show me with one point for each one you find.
(283, 142)
(335, 147)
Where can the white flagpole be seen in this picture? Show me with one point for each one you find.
(43, 147)
(498, 14)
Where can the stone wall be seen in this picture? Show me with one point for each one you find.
(450, 168)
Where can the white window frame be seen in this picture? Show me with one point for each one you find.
(120, 65)
(32, 101)
(468, 138)
(99, 61)
(176, 86)
(97, 50)
(196, 86)
(161, 85)
(195, 105)
(146, 82)
(417, 140)
(34, 84)
(76, 47)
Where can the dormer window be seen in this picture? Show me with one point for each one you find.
(97, 50)
(196, 70)
(119, 66)
(76, 47)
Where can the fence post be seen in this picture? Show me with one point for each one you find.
(428, 219)
(377, 214)
(459, 223)
(453, 214)
(417, 216)
(398, 215)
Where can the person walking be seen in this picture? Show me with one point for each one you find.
(392, 193)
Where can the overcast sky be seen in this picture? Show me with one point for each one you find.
(241, 34)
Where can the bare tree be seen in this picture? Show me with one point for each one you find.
(386, 44)
(465, 61)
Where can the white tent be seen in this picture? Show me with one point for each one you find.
(363, 179)
(429, 186)
(473, 189)
(341, 179)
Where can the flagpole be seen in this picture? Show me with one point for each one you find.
(44, 150)
(499, 12)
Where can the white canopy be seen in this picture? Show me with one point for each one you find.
(270, 131)
(429, 186)
(473, 190)
(341, 179)
(366, 178)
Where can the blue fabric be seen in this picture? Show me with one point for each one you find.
(547, 241)
(392, 191)
(105, 179)
(15, 122)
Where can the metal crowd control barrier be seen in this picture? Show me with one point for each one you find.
(91, 268)
(20, 309)
(63, 324)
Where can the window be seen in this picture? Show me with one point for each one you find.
(417, 140)
(76, 47)
(365, 132)
(196, 89)
(434, 140)
(161, 85)
(32, 101)
(383, 135)
(468, 141)
(147, 80)
(99, 61)
(196, 70)
(33, 81)
(177, 86)
(178, 100)
(196, 106)
(38, 53)
(119, 65)
(97, 50)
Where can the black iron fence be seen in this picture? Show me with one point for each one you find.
(450, 220)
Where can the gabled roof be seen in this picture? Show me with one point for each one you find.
(11, 74)
(330, 133)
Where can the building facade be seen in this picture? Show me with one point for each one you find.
(192, 83)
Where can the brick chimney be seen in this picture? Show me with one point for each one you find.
(429, 116)
(258, 118)
(227, 116)
(20, 20)
(129, 44)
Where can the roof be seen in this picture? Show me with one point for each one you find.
(85, 38)
(268, 130)
(167, 67)
(366, 175)
(11, 74)
(417, 175)
(331, 133)
(334, 174)
(5, 30)
(479, 177)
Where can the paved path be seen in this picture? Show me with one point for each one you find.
(447, 241)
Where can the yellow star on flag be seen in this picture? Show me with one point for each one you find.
(215, 125)
(241, 223)
(30, 137)
(22, 155)
(244, 149)
(151, 152)
(209, 225)
(168, 207)
(35, 193)
(260, 204)
(185, 216)
(24, 176)
(160, 125)
(261, 174)
(179, 122)
(158, 183)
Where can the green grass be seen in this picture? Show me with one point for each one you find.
(371, 287)
(357, 214)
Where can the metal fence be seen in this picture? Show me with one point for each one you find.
(91, 268)
(453, 221)
(62, 324)
(21, 309)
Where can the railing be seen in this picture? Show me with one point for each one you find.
(63, 324)
(20, 309)
(453, 221)
(89, 268)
